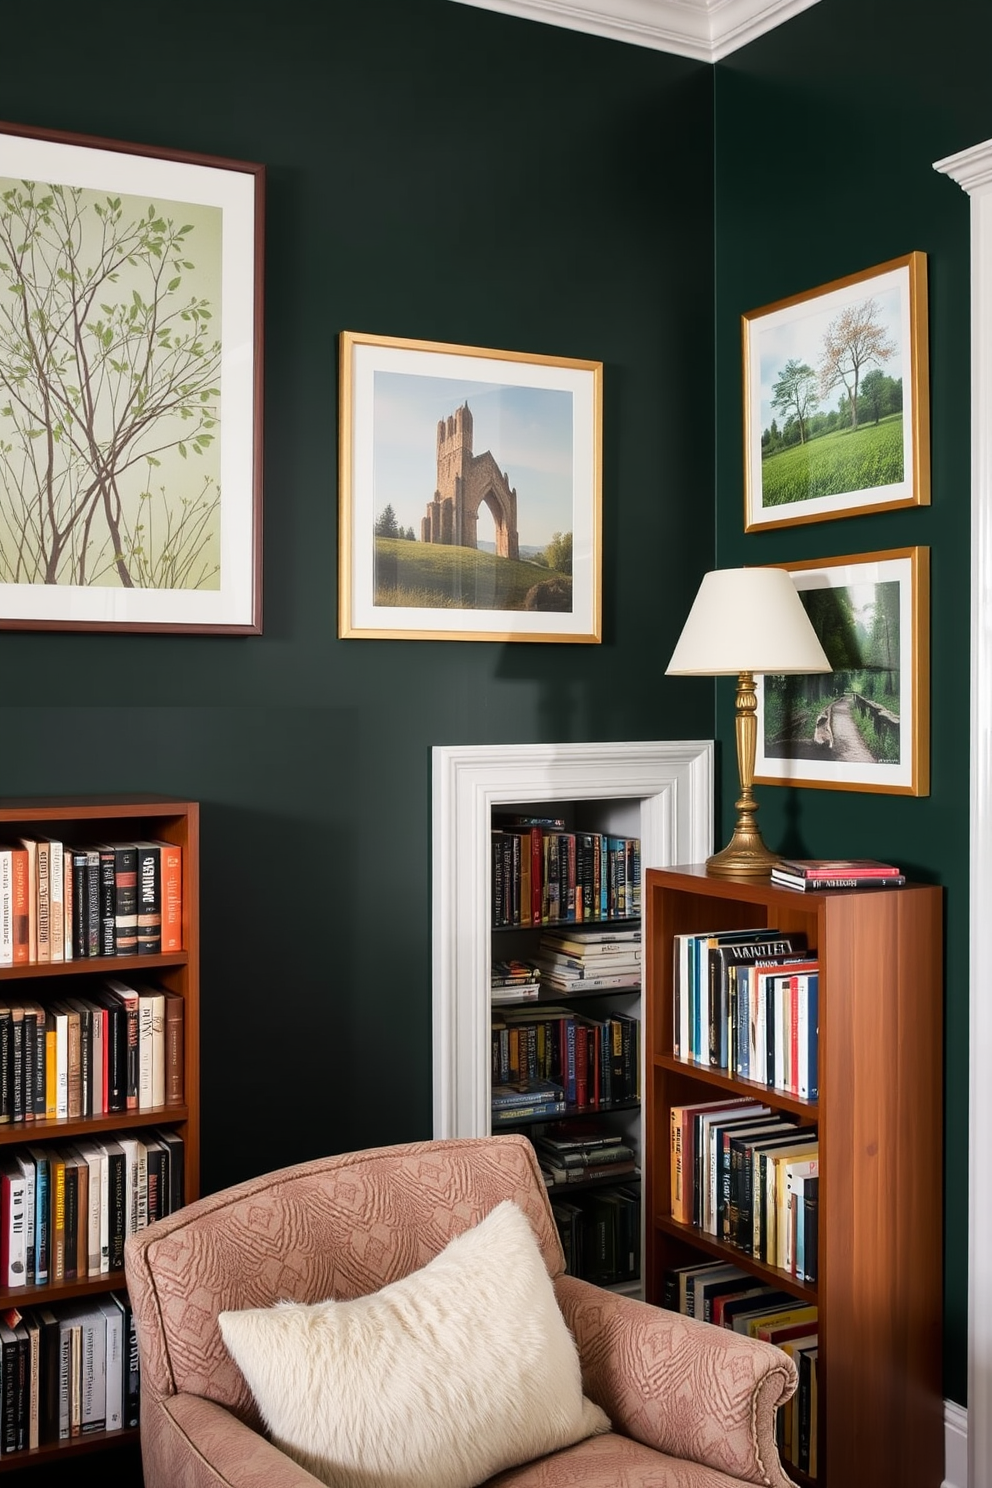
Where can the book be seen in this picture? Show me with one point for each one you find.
(96, 1226)
(114, 1325)
(38, 1157)
(148, 870)
(116, 1205)
(835, 868)
(42, 861)
(13, 1226)
(55, 850)
(132, 1371)
(6, 905)
(125, 898)
(30, 848)
(108, 899)
(25, 1163)
(175, 1047)
(722, 955)
(171, 865)
(818, 885)
(20, 904)
(8, 1388)
(116, 1048)
(682, 1145)
(174, 1148)
(128, 998)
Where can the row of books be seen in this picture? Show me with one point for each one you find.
(742, 1173)
(543, 874)
(747, 1002)
(66, 1210)
(722, 1294)
(594, 1061)
(601, 1237)
(578, 1152)
(67, 1370)
(63, 902)
(118, 1046)
(590, 958)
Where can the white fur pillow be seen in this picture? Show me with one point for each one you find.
(440, 1380)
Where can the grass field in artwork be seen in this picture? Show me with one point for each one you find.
(436, 576)
(859, 459)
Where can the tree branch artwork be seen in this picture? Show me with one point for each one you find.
(110, 364)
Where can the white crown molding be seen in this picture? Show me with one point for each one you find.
(704, 29)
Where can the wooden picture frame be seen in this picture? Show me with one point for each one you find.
(866, 724)
(860, 342)
(130, 386)
(470, 493)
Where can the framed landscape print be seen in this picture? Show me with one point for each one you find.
(130, 386)
(836, 399)
(470, 493)
(865, 725)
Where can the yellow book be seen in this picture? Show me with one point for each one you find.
(51, 1072)
(56, 1239)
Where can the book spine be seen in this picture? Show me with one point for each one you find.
(42, 861)
(20, 906)
(149, 892)
(108, 932)
(171, 864)
(126, 898)
(80, 904)
(6, 906)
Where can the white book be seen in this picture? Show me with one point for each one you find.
(6, 906)
(14, 1209)
(93, 1383)
(25, 1162)
(56, 899)
(135, 1183)
(146, 1017)
(97, 1223)
(115, 1364)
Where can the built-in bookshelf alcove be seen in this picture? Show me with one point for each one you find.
(665, 786)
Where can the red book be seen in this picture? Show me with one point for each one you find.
(836, 867)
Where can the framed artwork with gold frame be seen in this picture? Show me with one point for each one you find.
(865, 725)
(836, 399)
(470, 493)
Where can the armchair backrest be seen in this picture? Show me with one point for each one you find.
(337, 1227)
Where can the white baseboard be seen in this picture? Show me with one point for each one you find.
(955, 1445)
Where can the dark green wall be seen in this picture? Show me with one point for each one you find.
(441, 172)
(826, 134)
(434, 171)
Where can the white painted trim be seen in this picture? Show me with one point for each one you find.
(972, 169)
(672, 781)
(955, 1446)
(704, 29)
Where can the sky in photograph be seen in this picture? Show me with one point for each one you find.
(798, 336)
(527, 429)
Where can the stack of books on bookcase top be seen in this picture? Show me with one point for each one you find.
(601, 1237)
(543, 873)
(515, 981)
(750, 1178)
(747, 1002)
(728, 1297)
(577, 1152)
(67, 1370)
(816, 874)
(63, 902)
(589, 1063)
(590, 958)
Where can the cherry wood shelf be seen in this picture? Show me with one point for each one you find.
(76, 820)
(880, 1120)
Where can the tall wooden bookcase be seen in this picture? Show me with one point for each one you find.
(87, 820)
(879, 1293)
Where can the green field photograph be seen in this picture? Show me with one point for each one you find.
(835, 403)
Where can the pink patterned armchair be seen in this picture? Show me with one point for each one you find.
(692, 1406)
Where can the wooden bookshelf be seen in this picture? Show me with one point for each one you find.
(880, 1122)
(78, 820)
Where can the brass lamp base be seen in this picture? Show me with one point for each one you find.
(745, 855)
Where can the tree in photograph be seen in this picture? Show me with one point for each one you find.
(108, 371)
(855, 340)
(796, 393)
(387, 525)
(558, 553)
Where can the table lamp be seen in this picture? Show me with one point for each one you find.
(743, 621)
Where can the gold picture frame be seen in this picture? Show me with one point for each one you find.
(862, 343)
(470, 499)
(865, 725)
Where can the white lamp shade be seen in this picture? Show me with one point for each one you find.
(747, 620)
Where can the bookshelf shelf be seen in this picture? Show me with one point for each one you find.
(879, 1117)
(76, 822)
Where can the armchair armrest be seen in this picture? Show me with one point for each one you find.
(199, 1444)
(696, 1392)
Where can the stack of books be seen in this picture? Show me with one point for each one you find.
(526, 1099)
(515, 981)
(589, 959)
(568, 1155)
(809, 874)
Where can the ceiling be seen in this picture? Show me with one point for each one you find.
(704, 29)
